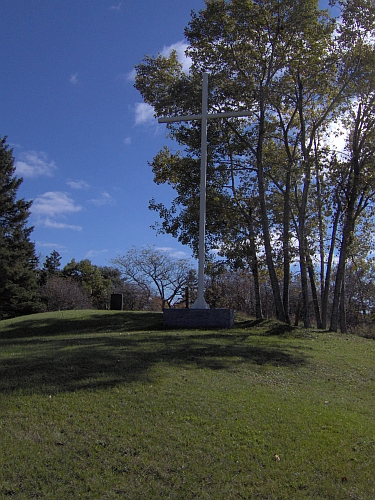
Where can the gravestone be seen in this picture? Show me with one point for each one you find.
(117, 300)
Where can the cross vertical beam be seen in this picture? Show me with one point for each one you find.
(200, 303)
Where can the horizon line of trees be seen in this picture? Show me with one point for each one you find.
(149, 279)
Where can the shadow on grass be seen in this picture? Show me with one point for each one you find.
(267, 327)
(97, 357)
(63, 323)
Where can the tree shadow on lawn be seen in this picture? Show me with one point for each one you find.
(93, 362)
(44, 326)
(270, 327)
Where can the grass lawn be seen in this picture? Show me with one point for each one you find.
(108, 405)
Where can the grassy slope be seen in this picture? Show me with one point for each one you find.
(109, 405)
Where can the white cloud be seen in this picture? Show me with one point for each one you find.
(74, 79)
(59, 225)
(78, 184)
(33, 164)
(144, 114)
(54, 246)
(116, 7)
(180, 48)
(130, 77)
(54, 203)
(104, 199)
(127, 141)
(179, 254)
(176, 254)
(95, 253)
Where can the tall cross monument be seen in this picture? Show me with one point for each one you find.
(200, 303)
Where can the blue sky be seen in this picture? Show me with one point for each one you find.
(80, 133)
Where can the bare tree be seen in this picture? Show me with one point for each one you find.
(155, 272)
(62, 294)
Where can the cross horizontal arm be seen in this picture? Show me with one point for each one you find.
(187, 118)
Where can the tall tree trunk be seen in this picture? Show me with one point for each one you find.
(255, 268)
(248, 215)
(340, 274)
(302, 206)
(286, 246)
(352, 191)
(280, 314)
(343, 324)
(304, 283)
(298, 312)
(290, 150)
(327, 280)
(321, 231)
(314, 292)
(301, 231)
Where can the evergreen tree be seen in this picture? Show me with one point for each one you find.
(51, 267)
(18, 282)
(52, 263)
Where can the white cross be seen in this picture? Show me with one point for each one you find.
(200, 303)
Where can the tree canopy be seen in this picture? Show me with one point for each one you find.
(156, 273)
(281, 194)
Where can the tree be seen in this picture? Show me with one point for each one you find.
(230, 289)
(156, 273)
(134, 298)
(360, 291)
(266, 56)
(91, 278)
(62, 294)
(358, 188)
(245, 65)
(52, 263)
(19, 292)
(51, 267)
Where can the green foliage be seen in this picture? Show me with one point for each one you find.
(108, 405)
(51, 267)
(52, 263)
(18, 262)
(277, 185)
(91, 278)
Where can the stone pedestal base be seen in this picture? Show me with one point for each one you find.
(198, 318)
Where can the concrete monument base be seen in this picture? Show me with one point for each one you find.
(198, 318)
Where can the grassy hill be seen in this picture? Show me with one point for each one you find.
(108, 405)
